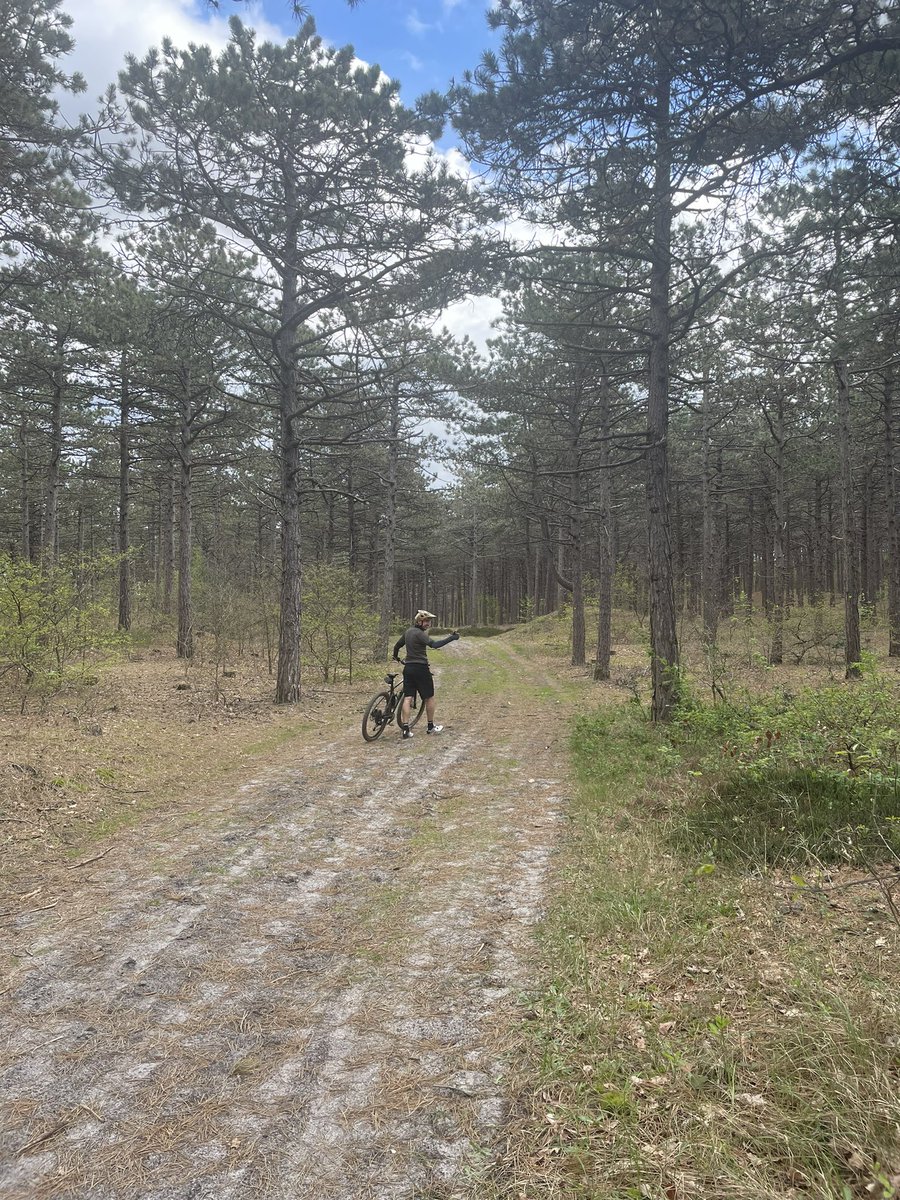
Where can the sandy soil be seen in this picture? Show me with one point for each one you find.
(303, 988)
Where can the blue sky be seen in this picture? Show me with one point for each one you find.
(421, 43)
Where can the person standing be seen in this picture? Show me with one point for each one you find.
(417, 678)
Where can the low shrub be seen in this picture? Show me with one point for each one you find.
(56, 622)
(795, 778)
(781, 817)
(338, 623)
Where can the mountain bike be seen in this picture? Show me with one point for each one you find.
(383, 708)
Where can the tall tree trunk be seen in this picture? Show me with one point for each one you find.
(811, 556)
(872, 582)
(679, 561)
(167, 536)
(473, 579)
(830, 564)
(750, 565)
(710, 574)
(851, 588)
(124, 546)
(862, 543)
(50, 543)
(849, 559)
(579, 638)
(529, 608)
(352, 552)
(184, 641)
(560, 569)
(390, 529)
(729, 560)
(776, 649)
(793, 560)
(768, 556)
(606, 552)
(893, 476)
(575, 525)
(25, 483)
(287, 679)
(663, 634)
(819, 573)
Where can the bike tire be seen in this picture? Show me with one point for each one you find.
(377, 715)
(415, 714)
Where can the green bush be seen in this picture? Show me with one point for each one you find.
(791, 778)
(54, 620)
(338, 625)
(229, 616)
(796, 817)
(847, 728)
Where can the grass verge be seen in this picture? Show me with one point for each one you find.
(700, 1032)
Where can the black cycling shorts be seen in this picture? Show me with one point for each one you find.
(417, 680)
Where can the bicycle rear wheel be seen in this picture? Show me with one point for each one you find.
(377, 715)
(415, 712)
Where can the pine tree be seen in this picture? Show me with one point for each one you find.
(621, 118)
(304, 157)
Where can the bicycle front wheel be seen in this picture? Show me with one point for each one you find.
(377, 715)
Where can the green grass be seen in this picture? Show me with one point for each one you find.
(792, 819)
(276, 736)
(792, 779)
(686, 1041)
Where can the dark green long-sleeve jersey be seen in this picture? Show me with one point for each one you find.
(418, 643)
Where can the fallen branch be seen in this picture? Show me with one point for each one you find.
(21, 912)
(24, 895)
(39, 1141)
(86, 861)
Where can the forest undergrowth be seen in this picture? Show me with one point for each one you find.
(718, 1013)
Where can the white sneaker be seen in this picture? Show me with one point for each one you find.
(434, 729)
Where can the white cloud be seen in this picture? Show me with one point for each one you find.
(105, 31)
(458, 164)
(415, 24)
(414, 63)
(472, 317)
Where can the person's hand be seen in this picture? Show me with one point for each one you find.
(456, 635)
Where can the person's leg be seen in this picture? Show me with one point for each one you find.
(409, 694)
(429, 707)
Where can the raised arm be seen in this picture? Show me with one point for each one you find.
(451, 637)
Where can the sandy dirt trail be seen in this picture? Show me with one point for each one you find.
(302, 989)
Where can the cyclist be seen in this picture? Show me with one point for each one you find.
(417, 678)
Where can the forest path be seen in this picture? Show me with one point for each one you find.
(301, 991)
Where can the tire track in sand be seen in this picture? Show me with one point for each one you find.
(303, 995)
